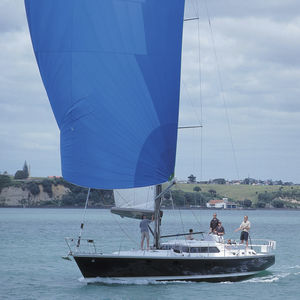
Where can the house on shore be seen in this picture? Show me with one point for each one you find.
(221, 204)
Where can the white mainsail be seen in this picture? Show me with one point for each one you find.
(134, 203)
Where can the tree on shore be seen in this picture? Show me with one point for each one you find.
(26, 170)
(212, 192)
(22, 174)
(219, 181)
(277, 203)
(197, 189)
(19, 175)
(4, 181)
(191, 179)
(247, 203)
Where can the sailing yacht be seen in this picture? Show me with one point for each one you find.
(111, 69)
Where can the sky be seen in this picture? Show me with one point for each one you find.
(240, 81)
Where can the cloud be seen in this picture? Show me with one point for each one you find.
(27, 127)
(249, 89)
(12, 15)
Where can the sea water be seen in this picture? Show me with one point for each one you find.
(32, 246)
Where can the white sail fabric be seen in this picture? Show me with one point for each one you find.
(134, 203)
(137, 198)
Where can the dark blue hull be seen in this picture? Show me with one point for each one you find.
(162, 268)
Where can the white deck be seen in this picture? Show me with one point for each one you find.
(214, 247)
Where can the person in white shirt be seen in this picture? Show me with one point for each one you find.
(244, 227)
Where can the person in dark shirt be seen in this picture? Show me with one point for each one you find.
(219, 230)
(213, 223)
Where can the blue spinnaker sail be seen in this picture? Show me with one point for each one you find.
(111, 69)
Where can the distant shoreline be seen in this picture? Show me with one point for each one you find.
(177, 208)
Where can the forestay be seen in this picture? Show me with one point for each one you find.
(111, 69)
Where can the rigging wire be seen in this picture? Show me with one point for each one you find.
(196, 13)
(197, 220)
(83, 217)
(182, 225)
(192, 103)
(173, 208)
(222, 90)
(103, 225)
(125, 233)
(195, 16)
(134, 195)
(200, 90)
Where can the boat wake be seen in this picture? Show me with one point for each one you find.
(295, 267)
(263, 277)
(277, 275)
(119, 281)
(268, 278)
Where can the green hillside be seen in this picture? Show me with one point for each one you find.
(238, 192)
(56, 192)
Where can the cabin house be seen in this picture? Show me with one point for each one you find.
(221, 204)
(215, 203)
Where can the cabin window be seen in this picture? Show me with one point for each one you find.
(200, 249)
(179, 249)
(208, 250)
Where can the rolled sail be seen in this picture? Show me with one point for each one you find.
(111, 69)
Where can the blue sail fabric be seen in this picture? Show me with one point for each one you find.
(111, 69)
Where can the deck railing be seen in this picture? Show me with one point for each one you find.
(258, 245)
(86, 246)
(264, 245)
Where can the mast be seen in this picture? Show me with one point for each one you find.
(157, 218)
(157, 212)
